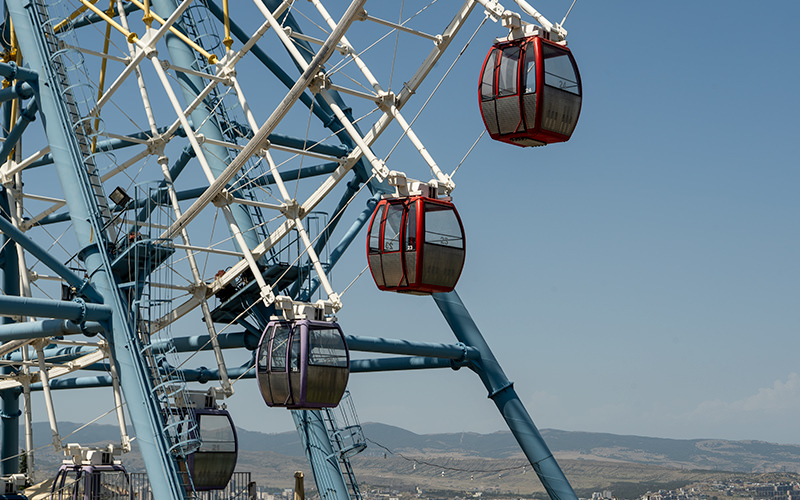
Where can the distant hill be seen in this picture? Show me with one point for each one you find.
(401, 459)
(708, 454)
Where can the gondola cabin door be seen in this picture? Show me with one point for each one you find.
(530, 92)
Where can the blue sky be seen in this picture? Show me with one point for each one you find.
(641, 278)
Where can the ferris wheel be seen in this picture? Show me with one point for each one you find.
(204, 166)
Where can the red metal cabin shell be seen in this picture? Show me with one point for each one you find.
(416, 245)
(530, 92)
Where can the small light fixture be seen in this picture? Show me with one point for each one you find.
(120, 197)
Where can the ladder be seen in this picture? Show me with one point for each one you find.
(347, 438)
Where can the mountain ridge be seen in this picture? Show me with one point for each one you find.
(382, 440)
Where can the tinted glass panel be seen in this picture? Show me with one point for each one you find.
(442, 227)
(507, 75)
(294, 356)
(410, 240)
(280, 338)
(559, 69)
(487, 79)
(66, 490)
(375, 231)
(391, 232)
(326, 348)
(216, 433)
(110, 485)
(529, 78)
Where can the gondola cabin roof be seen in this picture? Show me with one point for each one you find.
(530, 91)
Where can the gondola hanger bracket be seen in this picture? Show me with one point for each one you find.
(405, 187)
(493, 9)
(80, 455)
(317, 311)
(511, 20)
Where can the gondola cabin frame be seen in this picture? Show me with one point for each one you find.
(303, 364)
(91, 474)
(213, 463)
(530, 91)
(416, 244)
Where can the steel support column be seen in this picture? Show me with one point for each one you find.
(90, 235)
(9, 464)
(323, 459)
(502, 392)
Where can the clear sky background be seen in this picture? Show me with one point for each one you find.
(641, 278)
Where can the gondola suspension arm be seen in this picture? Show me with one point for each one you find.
(497, 12)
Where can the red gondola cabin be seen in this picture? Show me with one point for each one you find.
(416, 245)
(530, 92)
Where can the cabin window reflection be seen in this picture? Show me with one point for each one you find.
(217, 433)
(529, 77)
(294, 356)
(559, 71)
(394, 220)
(411, 228)
(112, 485)
(280, 339)
(375, 233)
(507, 75)
(487, 79)
(327, 348)
(67, 489)
(442, 227)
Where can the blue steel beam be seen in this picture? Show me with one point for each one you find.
(323, 459)
(89, 230)
(444, 352)
(20, 90)
(76, 310)
(47, 328)
(10, 71)
(204, 375)
(401, 364)
(82, 286)
(10, 400)
(25, 118)
(502, 392)
(410, 348)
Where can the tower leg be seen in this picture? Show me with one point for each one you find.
(502, 392)
(9, 414)
(322, 457)
(89, 229)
